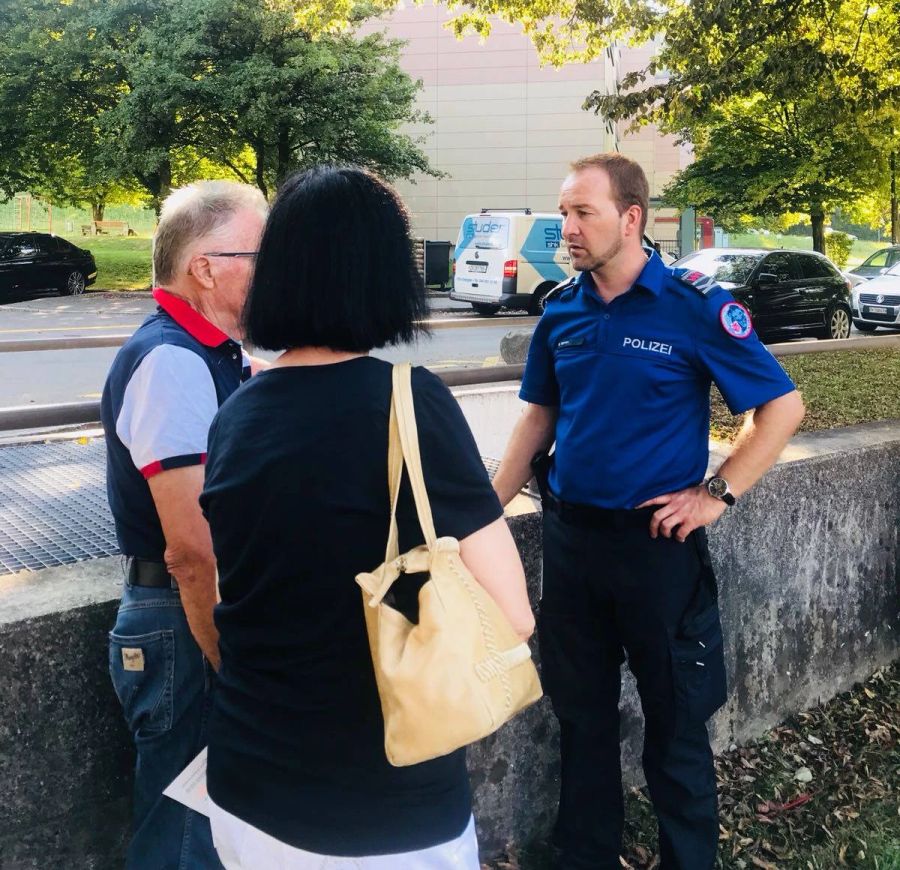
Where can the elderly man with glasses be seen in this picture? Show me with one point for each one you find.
(162, 392)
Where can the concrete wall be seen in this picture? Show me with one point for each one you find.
(808, 569)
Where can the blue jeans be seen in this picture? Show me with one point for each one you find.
(165, 686)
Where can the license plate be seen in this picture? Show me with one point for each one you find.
(876, 309)
(477, 267)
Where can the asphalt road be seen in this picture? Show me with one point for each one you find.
(51, 377)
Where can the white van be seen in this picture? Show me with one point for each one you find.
(512, 258)
(509, 258)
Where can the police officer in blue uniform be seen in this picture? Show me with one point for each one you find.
(618, 376)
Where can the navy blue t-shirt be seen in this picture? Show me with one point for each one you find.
(631, 379)
(297, 501)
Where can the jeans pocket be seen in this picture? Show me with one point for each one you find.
(142, 668)
(698, 668)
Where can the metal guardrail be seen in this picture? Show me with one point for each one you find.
(30, 345)
(76, 413)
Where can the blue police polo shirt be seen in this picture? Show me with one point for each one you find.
(631, 379)
(164, 388)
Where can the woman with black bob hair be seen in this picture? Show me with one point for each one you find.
(296, 496)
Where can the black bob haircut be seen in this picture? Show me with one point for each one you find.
(335, 266)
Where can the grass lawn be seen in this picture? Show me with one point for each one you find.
(846, 813)
(122, 263)
(840, 389)
(858, 253)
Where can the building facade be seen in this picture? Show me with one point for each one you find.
(505, 129)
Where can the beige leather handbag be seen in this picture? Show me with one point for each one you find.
(462, 671)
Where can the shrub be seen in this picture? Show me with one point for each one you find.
(837, 246)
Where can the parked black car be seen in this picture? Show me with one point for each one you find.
(35, 264)
(790, 294)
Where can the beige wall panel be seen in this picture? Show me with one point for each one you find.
(481, 138)
(465, 123)
(475, 91)
(454, 208)
(482, 60)
(476, 76)
(569, 103)
(507, 189)
(576, 73)
(485, 171)
(468, 106)
(552, 169)
(417, 65)
(499, 157)
(421, 205)
(545, 187)
(418, 45)
(571, 89)
(570, 139)
(566, 121)
(423, 185)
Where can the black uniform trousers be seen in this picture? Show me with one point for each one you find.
(610, 591)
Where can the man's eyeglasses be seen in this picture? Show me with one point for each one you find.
(231, 254)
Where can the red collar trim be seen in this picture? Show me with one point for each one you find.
(191, 321)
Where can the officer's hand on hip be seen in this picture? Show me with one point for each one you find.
(679, 513)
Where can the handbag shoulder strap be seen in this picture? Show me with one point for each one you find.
(395, 475)
(402, 404)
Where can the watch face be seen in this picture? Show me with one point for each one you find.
(717, 487)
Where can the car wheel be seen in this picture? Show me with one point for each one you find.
(539, 299)
(862, 326)
(75, 284)
(838, 323)
(485, 309)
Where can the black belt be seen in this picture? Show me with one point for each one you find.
(142, 572)
(595, 517)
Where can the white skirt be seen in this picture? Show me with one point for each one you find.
(244, 847)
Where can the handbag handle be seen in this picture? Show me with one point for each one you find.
(403, 446)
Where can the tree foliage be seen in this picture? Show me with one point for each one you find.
(790, 105)
(99, 98)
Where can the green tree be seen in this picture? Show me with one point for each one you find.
(102, 97)
(816, 81)
(763, 158)
(267, 86)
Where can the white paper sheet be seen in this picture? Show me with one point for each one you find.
(189, 787)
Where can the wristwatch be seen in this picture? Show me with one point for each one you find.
(717, 487)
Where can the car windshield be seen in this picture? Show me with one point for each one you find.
(722, 266)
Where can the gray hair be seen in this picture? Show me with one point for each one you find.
(196, 212)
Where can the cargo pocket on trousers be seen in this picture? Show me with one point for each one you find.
(142, 668)
(698, 668)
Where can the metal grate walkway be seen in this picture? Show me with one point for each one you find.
(53, 508)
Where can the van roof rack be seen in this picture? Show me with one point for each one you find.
(489, 210)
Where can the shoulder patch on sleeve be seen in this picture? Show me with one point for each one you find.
(735, 320)
(703, 284)
(559, 289)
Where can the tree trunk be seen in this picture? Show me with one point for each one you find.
(817, 216)
(260, 151)
(159, 183)
(97, 209)
(895, 211)
(284, 155)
